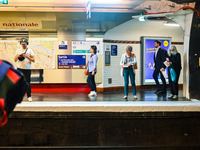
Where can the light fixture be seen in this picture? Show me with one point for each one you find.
(172, 24)
(142, 18)
(104, 1)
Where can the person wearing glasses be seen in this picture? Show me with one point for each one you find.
(24, 57)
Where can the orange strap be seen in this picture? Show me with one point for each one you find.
(4, 118)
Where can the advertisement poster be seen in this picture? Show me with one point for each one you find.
(63, 45)
(83, 47)
(71, 61)
(149, 52)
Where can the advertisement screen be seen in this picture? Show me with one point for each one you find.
(148, 51)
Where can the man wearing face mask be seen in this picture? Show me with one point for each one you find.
(24, 57)
(174, 60)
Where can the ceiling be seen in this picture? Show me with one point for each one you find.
(126, 6)
(71, 14)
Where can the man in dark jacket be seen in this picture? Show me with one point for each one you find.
(159, 59)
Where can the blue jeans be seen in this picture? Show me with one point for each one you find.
(129, 72)
(91, 82)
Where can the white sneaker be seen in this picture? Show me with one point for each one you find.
(175, 97)
(135, 97)
(171, 96)
(125, 97)
(30, 99)
(92, 93)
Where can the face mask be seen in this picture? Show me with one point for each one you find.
(172, 52)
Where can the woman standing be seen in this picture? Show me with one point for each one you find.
(128, 61)
(92, 69)
(174, 60)
(25, 56)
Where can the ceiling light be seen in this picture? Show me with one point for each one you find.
(172, 24)
(104, 1)
(142, 18)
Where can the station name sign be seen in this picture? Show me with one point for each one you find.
(20, 24)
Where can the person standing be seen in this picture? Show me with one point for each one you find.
(159, 59)
(24, 57)
(127, 63)
(174, 60)
(92, 69)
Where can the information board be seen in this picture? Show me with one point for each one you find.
(71, 61)
(83, 47)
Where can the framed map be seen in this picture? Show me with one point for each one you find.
(44, 52)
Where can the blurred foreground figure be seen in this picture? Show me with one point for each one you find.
(12, 90)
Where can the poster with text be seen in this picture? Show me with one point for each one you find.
(83, 47)
(71, 61)
(148, 56)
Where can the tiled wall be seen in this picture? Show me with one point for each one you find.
(113, 71)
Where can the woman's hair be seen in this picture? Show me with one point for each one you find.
(129, 48)
(175, 50)
(94, 49)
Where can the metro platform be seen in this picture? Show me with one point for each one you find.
(74, 121)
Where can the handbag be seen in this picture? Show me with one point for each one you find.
(135, 66)
(172, 73)
(86, 72)
(21, 58)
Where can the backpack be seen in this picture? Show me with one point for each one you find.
(12, 89)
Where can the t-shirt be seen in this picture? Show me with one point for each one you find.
(26, 63)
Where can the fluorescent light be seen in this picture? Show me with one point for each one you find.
(104, 1)
(141, 18)
(172, 24)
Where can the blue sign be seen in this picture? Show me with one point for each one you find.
(71, 61)
(113, 50)
(62, 44)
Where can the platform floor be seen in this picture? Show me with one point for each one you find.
(143, 95)
(107, 102)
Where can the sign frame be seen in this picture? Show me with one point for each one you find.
(143, 58)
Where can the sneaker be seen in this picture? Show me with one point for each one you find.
(135, 97)
(92, 93)
(170, 96)
(175, 97)
(125, 97)
(30, 99)
(157, 91)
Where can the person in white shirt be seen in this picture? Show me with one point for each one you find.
(127, 63)
(24, 57)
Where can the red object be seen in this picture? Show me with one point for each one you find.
(60, 87)
(182, 8)
(4, 118)
(85, 72)
(13, 76)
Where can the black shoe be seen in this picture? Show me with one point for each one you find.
(157, 91)
(162, 93)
